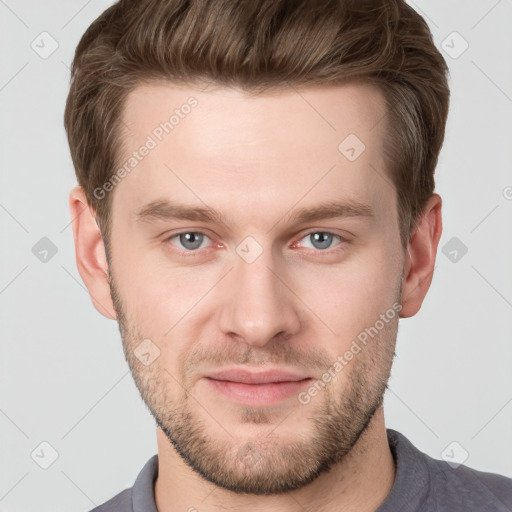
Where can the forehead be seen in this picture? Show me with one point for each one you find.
(227, 149)
(231, 115)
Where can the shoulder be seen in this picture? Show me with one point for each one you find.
(121, 502)
(429, 484)
(139, 497)
(490, 491)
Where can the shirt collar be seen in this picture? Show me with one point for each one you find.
(143, 494)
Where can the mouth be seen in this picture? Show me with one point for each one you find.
(257, 388)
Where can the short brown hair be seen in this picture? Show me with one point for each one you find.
(258, 45)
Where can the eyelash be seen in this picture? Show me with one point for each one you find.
(197, 252)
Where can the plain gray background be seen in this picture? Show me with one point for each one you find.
(64, 380)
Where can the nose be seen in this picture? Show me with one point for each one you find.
(257, 305)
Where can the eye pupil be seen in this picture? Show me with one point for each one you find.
(190, 240)
(323, 239)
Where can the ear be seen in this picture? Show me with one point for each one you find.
(91, 259)
(421, 257)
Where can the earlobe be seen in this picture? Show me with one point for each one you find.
(421, 257)
(90, 254)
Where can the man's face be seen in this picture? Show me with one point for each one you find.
(247, 313)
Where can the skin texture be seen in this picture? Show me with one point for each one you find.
(298, 306)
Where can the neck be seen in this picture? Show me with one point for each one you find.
(360, 482)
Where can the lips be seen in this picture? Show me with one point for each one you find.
(266, 377)
(257, 388)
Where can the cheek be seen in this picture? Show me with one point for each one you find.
(352, 295)
(154, 290)
(162, 299)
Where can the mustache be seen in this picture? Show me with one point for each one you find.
(238, 353)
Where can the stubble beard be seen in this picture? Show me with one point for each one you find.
(265, 464)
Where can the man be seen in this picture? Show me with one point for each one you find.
(256, 208)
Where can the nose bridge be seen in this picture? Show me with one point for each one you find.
(258, 304)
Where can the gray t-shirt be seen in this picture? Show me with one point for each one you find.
(422, 484)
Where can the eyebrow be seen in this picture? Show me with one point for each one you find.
(164, 209)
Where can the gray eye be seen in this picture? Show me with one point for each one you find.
(320, 239)
(191, 240)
